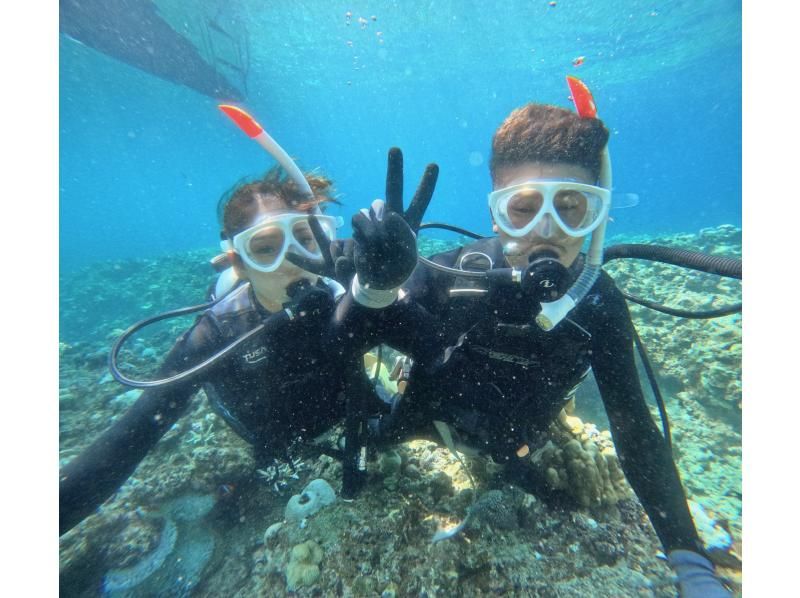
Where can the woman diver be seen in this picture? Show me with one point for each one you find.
(262, 350)
(267, 388)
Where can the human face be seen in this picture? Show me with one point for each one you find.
(270, 287)
(265, 244)
(547, 235)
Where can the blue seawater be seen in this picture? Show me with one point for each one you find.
(144, 161)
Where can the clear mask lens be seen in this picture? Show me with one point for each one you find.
(304, 240)
(575, 209)
(265, 245)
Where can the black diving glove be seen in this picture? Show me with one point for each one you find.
(337, 260)
(385, 249)
(696, 576)
(309, 300)
(303, 318)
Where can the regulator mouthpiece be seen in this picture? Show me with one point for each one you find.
(545, 278)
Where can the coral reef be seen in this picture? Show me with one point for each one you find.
(303, 567)
(580, 460)
(517, 542)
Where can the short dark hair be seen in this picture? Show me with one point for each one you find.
(544, 133)
(239, 204)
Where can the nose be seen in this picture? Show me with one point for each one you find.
(546, 228)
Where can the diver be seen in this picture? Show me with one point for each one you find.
(502, 330)
(279, 385)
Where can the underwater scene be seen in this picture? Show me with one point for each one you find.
(514, 376)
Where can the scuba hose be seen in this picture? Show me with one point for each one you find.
(702, 262)
(115, 349)
(274, 321)
(452, 228)
(711, 264)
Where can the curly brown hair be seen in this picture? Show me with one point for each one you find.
(238, 206)
(544, 133)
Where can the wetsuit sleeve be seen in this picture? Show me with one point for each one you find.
(430, 288)
(641, 448)
(94, 475)
(406, 325)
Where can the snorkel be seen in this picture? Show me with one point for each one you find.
(228, 277)
(256, 132)
(553, 312)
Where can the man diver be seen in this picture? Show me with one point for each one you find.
(503, 329)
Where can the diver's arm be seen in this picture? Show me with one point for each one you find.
(642, 451)
(94, 475)
(411, 324)
(403, 325)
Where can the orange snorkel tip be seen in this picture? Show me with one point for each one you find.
(582, 98)
(243, 120)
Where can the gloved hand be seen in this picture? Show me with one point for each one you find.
(304, 316)
(385, 249)
(696, 576)
(338, 257)
(337, 260)
(309, 300)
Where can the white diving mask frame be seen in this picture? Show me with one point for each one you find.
(562, 199)
(264, 245)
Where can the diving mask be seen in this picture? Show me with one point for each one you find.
(264, 245)
(577, 208)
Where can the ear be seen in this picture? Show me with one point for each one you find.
(237, 264)
(495, 228)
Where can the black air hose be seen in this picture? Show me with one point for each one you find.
(712, 264)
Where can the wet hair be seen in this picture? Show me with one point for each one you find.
(543, 133)
(239, 205)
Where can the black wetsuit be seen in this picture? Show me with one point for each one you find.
(495, 382)
(276, 388)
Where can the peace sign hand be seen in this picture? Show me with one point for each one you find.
(385, 236)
